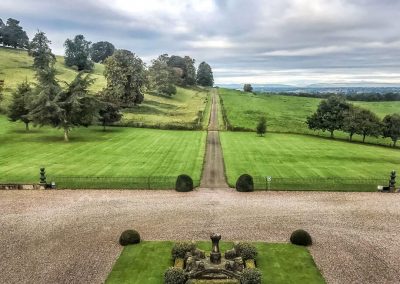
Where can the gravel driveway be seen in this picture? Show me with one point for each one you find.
(71, 236)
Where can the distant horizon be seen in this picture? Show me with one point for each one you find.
(296, 42)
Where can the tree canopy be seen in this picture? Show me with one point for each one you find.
(77, 53)
(126, 76)
(391, 127)
(162, 76)
(205, 76)
(40, 50)
(13, 35)
(184, 70)
(247, 88)
(99, 51)
(19, 107)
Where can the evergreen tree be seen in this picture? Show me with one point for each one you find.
(2, 25)
(205, 76)
(126, 77)
(40, 50)
(189, 78)
(391, 127)
(13, 35)
(19, 107)
(77, 53)
(247, 88)
(262, 126)
(161, 77)
(99, 51)
(109, 113)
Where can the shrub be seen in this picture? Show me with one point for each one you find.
(184, 183)
(246, 251)
(129, 237)
(174, 275)
(180, 249)
(250, 276)
(245, 183)
(301, 238)
(230, 254)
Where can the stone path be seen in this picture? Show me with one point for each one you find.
(213, 171)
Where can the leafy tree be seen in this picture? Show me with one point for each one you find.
(391, 127)
(247, 88)
(189, 78)
(13, 34)
(262, 126)
(161, 76)
(40, 50)
(77, 53)
(2, 25)
(329, 115)
(64, 109)
(351, 121)
(109, 112)
(1, 90)
(126, 76)
(361, 121)
(19, 107)
(99, 51)
(185, 71)
(205, 75)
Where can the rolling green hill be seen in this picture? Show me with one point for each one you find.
(288, 114)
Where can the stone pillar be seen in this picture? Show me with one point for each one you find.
(215, 255)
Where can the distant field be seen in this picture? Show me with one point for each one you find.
(302, 156)
(288, 114)
(279, 263)
(118, 152)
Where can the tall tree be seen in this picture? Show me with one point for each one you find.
(161, 76)
(189, 78)
(329, 115)
(19, 107)
(370, 124)
(247, 88)
(2, 25)
(126, 76)
(77, 53)
(185, 71)
(13, 34)
(391, 127)
(99, 51)
(205, 76)
(109, 113)
(40, 50)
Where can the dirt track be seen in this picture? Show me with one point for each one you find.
(213, 172)
(71, 236)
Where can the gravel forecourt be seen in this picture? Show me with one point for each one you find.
(72, 236)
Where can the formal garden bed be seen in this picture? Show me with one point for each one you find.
(147, 262)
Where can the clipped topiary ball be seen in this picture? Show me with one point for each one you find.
(174, 275)
(301, 238)
(245, 183)
(129, 237)
(184, 183)
(250, 276)
(246, 250)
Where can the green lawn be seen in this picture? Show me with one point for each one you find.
(303, 157)
(279, 263)
(288, 113)
(92, 152)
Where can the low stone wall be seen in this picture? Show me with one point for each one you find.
(14, 186)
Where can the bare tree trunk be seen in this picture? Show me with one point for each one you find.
(364, 138)
(351, 137)
(332, 133)
(66, 135)
(27, 126)
(394, 143)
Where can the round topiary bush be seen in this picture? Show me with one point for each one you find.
(245, 183)
(246, 251)
(180, 249)
(184, 183)
(250, 276)
(174, 275)
(129, 237)
(301, 238)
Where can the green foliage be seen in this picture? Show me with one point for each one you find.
(174, 275)
(181, 248)
(329, 115)
(19, 107)
(126, 76)
(99, 51)
(109, 113)
(301, 238)
(245, 183)
(391, 127)
(361, 121)
(13, 35)
(184, 183)
(250, 276)
(246, 250)
(40, 50)
(77, 53)
(261, 128)
(247, 88)
(205, 76)
(129, 237)
(162, 77)
(184, 70)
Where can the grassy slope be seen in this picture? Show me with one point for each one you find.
(291, 155)
(91, 152)
(286, 113)
(279, 263)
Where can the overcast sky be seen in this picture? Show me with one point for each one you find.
(255, 41)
